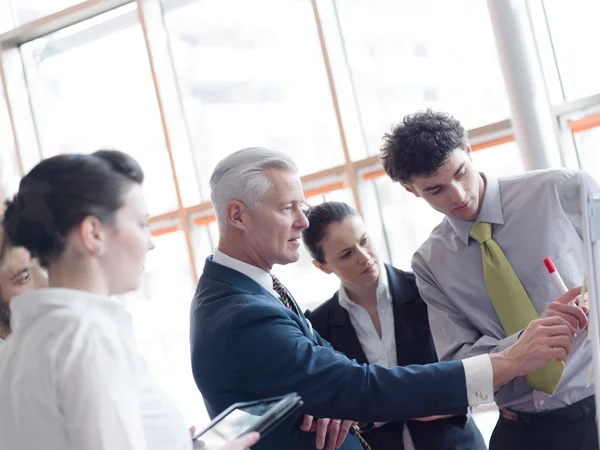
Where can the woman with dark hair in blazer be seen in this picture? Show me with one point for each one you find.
(377, 317)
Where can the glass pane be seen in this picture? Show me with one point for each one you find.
(500, 160)
(575, 35)
(91, 88)
(29, 10)
(310, 286)
(588, 149)
(408, 55)
(6, 20)
(252, 74)
(161, 318)
(408, 220)
(9, 171)
(338, 195)
(204, 240)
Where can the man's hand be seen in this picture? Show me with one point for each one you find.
(570, 311)
(545, 339)
(337, 430)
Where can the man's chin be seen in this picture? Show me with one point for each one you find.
(288, 259)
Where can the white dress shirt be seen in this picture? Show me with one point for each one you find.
(532, 217)
(72, 378)
(378, 350)
(479, 375)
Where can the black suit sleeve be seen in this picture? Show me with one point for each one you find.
(273, 356)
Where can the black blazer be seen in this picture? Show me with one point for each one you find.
(414, 345)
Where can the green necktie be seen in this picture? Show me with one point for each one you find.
(511, 302)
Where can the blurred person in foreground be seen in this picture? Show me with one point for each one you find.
(72, 376)
(19, 273)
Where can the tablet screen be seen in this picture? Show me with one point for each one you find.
(235, 423)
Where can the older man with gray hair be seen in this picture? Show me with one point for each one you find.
(250, 340)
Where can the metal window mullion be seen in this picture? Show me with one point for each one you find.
(349, 167)
(25, 133)
(150, 14)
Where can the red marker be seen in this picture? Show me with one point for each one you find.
(558, 282)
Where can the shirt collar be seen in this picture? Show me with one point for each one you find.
(255, 273)
(491, 210)
(383, 290)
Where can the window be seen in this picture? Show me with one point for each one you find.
(161, 315)
(574, 33)
(205, 238)
(9, 171)
(91, 88)
(406, 56)
(587, 141)
(252, 74)
(500, 160)
(407, 220)
(29, 10)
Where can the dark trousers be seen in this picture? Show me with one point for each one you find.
(570, 428)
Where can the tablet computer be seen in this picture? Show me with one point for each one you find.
(241, 418)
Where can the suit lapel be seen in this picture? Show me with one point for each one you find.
(239, 281)
(304, 322)
(414, 344)
(344, 336)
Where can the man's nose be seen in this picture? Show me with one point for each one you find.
(458, 194)
(301, 220)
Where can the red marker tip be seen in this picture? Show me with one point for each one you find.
(549, 265)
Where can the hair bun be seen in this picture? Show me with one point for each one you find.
(28, 223)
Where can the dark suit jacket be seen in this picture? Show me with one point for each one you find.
(246, 345)
(414, 345)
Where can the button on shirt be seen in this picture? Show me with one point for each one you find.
(534, 216)
(478, 370)
(72, 379)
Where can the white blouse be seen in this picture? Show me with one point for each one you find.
(72, 378)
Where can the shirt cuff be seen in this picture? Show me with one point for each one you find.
(479, 376)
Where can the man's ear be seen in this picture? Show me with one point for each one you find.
(237, 214)
(469, 150)
(410, 189)
(322, 267)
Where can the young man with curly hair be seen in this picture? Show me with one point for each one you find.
(482, 275)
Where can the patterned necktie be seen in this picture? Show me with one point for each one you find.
(286, 299)
(284, 295)
(355, 430)
(511, 302)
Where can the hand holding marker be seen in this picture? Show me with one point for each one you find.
(560, 284)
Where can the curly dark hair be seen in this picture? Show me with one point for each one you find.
(421, 144)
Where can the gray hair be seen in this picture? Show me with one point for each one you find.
(240, 176)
